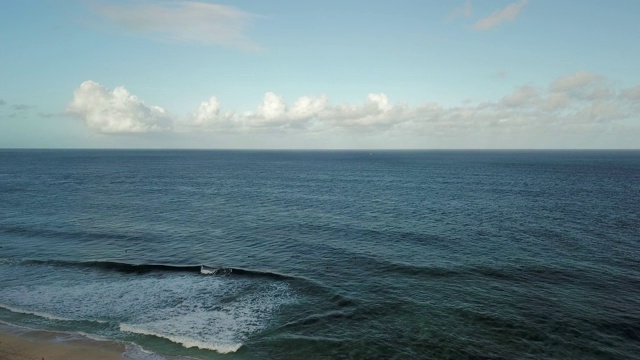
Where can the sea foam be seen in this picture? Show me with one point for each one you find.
(137, 352)
(205, 312)
(185, 341)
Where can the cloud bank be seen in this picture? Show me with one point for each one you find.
(184, 21)
(509, 13)
(579, 103)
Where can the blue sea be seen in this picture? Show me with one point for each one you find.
(326, 254)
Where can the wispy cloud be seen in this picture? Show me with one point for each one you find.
(509, 13)
(577, 103)
(183, 21)
(500, 75)
(523, 96)
(2, 102)
(583, 85)
(22, 107)
(632, 94)
(462, 11)
(48, 115)
(575, 81)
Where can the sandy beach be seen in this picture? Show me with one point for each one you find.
(25, 344)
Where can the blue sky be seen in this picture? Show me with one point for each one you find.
(330, 74)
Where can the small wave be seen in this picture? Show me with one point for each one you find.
(92, 336)
(36, 313)
(4, 324)
(260, 273)
(46, 315)
(117, 266)
(136, 352)
(185, 341)
(326, 317)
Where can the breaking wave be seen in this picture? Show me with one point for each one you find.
(185, 341)
(218, 311)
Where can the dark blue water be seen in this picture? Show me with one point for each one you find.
(327, 255)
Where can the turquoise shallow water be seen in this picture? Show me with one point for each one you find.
(327, 255)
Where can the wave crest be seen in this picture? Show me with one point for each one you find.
(142, 269)
(185, 341)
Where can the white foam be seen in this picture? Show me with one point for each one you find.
(115, 300)
(185, 341)
(215, 313)
(7, 261)
(214, 326)
(205, 271)
(92, 336)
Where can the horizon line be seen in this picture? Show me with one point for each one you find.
(323, 149)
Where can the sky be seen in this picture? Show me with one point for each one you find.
(332, 74)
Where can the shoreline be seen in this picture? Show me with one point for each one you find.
(21, 343)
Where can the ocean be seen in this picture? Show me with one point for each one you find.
(326, 254)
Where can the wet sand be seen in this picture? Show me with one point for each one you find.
(25, 344)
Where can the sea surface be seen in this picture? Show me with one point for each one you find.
(326, 255)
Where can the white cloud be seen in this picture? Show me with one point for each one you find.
(115, 111)
(183, 21)
(273, 109)
(308, 107)
(208, 112)
(272, 113)
(376, 112)
(208, 116)
(380, 101)
(509, 13)
(566, 106)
